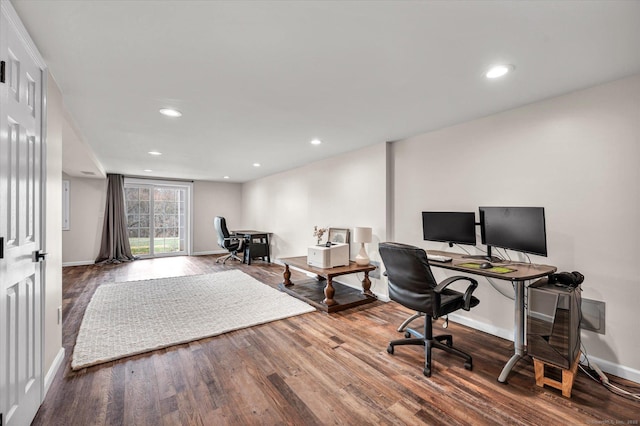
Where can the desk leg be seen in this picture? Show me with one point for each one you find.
(518, 333)
(366, 285)
(287, 276)
(329, 291)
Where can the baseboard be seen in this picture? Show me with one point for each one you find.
(487, 328)
(79, 263)
(51, 374)
(616, 369)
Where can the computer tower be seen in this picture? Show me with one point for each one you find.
(553, 323)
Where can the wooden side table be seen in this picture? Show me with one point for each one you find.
(321, 291)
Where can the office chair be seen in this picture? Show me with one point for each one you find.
(226, 241)
(412, 284)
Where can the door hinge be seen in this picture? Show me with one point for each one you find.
(1, 257)
(1, 81)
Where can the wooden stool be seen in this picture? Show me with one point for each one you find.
(567, 376)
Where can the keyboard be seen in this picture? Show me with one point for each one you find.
(438, 258)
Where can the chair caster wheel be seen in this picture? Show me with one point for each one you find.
(390, 349)
(427, 372)
(407, 334)
(468, 366)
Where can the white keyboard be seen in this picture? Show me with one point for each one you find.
(438, 258)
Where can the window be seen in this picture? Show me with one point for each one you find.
(157, 217)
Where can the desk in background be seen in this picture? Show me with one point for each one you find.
(522, 272)
(256, 245)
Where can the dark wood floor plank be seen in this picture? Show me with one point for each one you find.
(315, 368)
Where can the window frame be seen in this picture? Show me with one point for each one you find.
(153, 184)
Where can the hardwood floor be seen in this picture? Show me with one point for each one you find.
(311, 369)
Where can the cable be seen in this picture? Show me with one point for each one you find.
(462, 248)
(601, 378)
(495, 287)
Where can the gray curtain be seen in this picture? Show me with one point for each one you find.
(115, 246)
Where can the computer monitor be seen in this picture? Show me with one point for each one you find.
(514, 228)
(449, 227)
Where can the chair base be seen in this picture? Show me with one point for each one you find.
(227, 257)
(443, 342)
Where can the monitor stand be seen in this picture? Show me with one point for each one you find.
(487, 257)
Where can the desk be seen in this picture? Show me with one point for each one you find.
(522, 273)
(325, 297)
(256, 244)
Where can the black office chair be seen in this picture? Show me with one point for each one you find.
(411, 284)
(226, 241)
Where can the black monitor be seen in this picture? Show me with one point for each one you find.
(514, 228)
(449, 227)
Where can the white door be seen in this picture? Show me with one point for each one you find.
(20, 225)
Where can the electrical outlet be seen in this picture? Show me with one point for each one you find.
(593, 315)
(375, 273)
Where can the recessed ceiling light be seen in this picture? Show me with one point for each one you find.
(498, 71)
(316, 142)
(154, 153)
(170, 112)
(225, 177)
(256, 164)
(147, 170)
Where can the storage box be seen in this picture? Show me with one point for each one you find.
(328, 257)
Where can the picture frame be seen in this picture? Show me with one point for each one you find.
(338, 235)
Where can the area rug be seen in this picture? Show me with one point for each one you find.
(128, 318)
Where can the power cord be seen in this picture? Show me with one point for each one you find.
(594, 372)
(499, 290)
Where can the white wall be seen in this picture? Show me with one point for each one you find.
(211, 199)
(53, 233)
(340, 192)
(87, 198)
(576, 155)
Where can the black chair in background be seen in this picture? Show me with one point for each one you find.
(226, 241)
(412, 284)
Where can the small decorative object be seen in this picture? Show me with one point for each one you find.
(338, 235)
(318, 233)
(362, 236)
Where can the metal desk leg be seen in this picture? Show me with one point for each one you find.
(518, 333)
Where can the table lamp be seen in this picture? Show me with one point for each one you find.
(362, 235)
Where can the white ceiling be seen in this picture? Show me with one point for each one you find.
(256, 81)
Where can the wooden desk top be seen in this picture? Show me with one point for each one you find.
(250, 232)
(300, 262)
(523, 271)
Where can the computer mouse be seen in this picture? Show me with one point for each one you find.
(486, 265)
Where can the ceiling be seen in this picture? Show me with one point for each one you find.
(257, 81)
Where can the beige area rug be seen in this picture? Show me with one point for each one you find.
(128, 318)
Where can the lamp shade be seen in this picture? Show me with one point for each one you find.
(362, 235)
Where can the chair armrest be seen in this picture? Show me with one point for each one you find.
(473, 284)
(233, 238)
